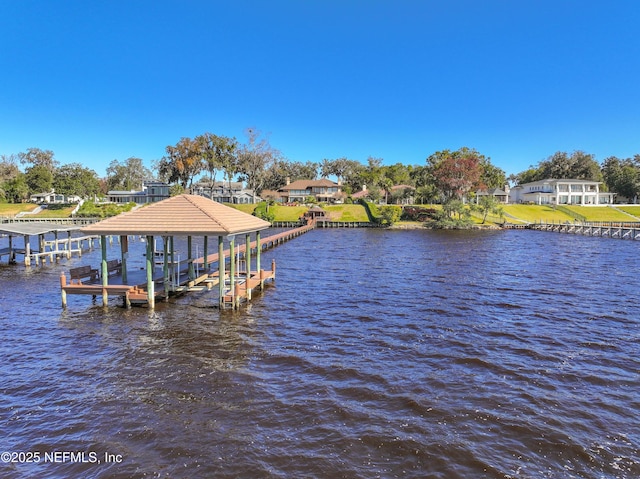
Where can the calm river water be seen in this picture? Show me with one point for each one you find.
(412, 354)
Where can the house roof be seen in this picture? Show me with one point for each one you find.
(270, 193)
(360, 194)
(304, 184)
(182, 215)
(48, 193)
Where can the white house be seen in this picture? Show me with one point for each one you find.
(501, 195)
(560, 192)
(53, 197)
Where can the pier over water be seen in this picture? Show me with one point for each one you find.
(601, 229)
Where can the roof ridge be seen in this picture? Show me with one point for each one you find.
(209, 214)
(206, 213)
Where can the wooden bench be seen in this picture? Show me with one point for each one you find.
(83, 272)
(114, 266)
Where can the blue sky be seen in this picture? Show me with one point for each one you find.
(515, 79)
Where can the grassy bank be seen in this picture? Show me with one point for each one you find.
(12, 209)
(50, 212)
(548, 214)
(357, 213)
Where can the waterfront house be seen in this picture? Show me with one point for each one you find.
(151, 192)
(501, 195)
(225, 192)
(362, 194)
(52, 197)
(322, 190)
(560, 192)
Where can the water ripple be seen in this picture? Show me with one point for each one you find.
(377, 354)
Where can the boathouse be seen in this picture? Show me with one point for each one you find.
(180, 216)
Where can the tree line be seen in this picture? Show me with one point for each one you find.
(444, 177)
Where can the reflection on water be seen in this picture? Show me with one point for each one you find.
(376, 354)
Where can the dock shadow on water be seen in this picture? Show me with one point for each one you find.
(417, 354)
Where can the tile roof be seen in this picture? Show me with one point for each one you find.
(182, 215)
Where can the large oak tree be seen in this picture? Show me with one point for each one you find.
(255, 158)
(181, 163)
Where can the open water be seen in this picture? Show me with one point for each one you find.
(411, 354)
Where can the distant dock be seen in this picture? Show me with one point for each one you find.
(629, 231)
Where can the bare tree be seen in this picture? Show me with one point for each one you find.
(8, 167)
(38, 157)
(255, 158)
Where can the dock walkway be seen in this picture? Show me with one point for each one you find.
(602, 229)
(265, 243)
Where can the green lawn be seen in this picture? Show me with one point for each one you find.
(244, 208)
(346, 213)
(491, 219)
(535, 213)
(542, 213)
(599, 213)
(12, 209)
(632, 210)
(55, 213)
(282, 213)
(289, 213)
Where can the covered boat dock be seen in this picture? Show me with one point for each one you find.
(180, 216)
